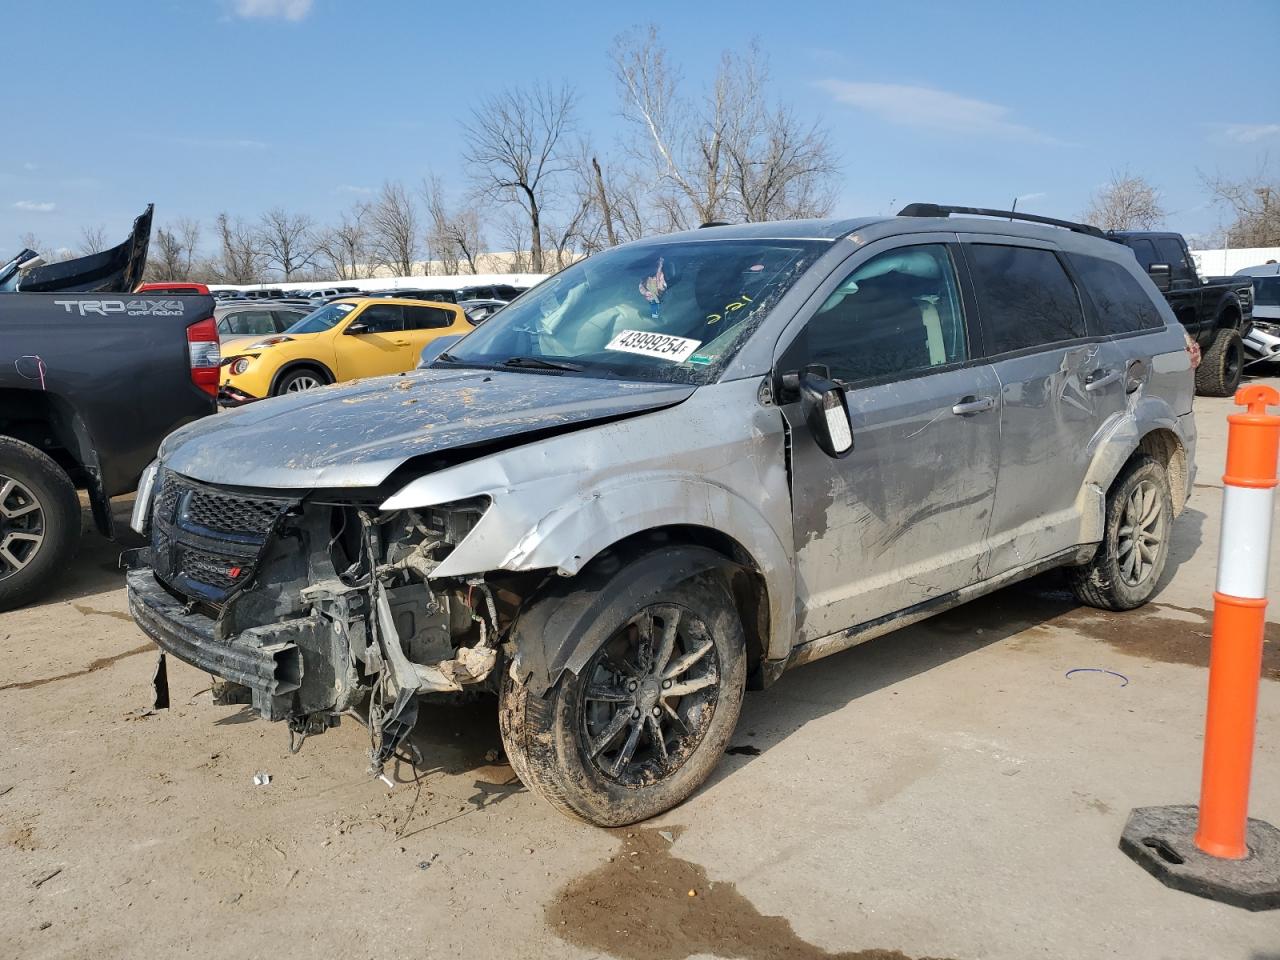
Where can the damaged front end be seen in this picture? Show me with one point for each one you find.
(305, 606)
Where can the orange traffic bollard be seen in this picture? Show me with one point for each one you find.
(1217, 851)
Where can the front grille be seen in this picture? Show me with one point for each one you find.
(231, 514)
(206, 540)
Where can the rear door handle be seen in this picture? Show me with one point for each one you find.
(1135, 375)
(972, 405)
(1100, 378)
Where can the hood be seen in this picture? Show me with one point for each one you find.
(355, 434)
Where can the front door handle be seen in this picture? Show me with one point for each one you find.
(401, 343)
(1099, 379)
(971, 405)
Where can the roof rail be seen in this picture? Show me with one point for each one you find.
(713, 223)
(937, 210)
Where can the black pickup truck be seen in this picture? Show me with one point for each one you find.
(90, 383)
(1216, 311)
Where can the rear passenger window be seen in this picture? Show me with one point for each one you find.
(896, 314)
(1025, 297)
(1121, 304)
(426, 318)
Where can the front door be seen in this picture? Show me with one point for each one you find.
(903, 518)
(377, 345)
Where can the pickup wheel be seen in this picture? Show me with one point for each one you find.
(646, 720)
(1125, 571)
(39, 521)
(297, 380)
(1219, 372)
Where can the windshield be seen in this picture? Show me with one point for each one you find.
(326, 318)
(673, 311)
(1266, 291)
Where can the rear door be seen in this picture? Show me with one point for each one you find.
(1130, 325)
(1034, 329)
(903, 518)
(373, 343)
(422, 324)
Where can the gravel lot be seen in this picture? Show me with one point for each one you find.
(945, 791)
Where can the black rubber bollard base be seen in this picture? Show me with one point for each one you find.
(1161, 840)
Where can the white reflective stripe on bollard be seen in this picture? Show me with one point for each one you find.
(1246, 541)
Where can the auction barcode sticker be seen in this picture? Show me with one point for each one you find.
(660, 345)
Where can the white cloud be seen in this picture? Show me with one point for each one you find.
(30, 166)
(35, 206)
(932, 109)
(348, 188)
(1250, 132)
(1022, 197)
(272, 9)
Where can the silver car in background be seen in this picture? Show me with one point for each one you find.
(670, 472)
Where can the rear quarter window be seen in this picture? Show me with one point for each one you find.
(426, 318)
(1120, 303)
(1025, 297)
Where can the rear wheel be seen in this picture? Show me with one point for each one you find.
(39, 521)
(1125, 571)
(1219, 372)
(646, 720)
(295, 381)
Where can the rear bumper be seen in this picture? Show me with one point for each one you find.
(270, 671)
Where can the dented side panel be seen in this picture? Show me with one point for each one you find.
(715, 461)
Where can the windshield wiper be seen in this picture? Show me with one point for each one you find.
(540, 363)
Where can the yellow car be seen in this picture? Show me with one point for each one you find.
(343, 340)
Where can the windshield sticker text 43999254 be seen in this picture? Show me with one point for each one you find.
(660, 345)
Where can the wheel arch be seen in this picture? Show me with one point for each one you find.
(303, 363)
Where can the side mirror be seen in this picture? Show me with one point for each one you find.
(1162, 275)
(357, 328)
(825, 409)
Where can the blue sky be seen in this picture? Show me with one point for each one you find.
(206, 105)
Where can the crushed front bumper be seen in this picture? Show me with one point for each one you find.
(268, 664)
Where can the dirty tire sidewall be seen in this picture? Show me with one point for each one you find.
(540, 733)
(1222, 366)
(52, 488)
(1099, 583)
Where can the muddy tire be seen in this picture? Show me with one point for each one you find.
(299, 379)
(39, 522)
(646, 719)
(1125, 571)
(1222, 366)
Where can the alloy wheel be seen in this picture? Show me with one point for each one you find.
(650, 693)
(302, 382)
(1141, 534)
(21, 526)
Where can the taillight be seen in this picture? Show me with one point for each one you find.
(204, 354)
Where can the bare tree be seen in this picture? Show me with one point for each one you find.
(453, 234)
(345, 247)
(166, 260)
(730, 153)
(393, 229)
(241, 257)
(1125, 202)
(287, 241)
(609, 194)
(93, 240)
(515, 232)
(1254, 205)
(514, 142)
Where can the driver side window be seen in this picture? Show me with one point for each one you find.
(896, 314)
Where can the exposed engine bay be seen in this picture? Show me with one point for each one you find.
(305, 608)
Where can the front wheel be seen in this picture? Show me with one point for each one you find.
(298, 380)
(645, 721)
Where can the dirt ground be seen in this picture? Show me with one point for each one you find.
(953, 790)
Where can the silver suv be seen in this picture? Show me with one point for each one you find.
(669, 473)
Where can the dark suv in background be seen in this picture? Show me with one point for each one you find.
(1216, 311)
